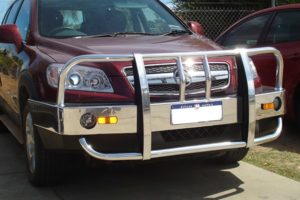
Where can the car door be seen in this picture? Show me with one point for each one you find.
(13, 61)
(284, 35)
(247, 33)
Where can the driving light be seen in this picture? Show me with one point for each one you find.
(107, 120)
(88, 120)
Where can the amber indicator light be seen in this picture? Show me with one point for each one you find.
(107, 120)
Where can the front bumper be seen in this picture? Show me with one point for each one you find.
(144, 118)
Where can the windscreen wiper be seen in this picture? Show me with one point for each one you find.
(117, 34)
(177, 32)
(96, 36)
(132, 33)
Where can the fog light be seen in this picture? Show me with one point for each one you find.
(88, 121)
(277, 103)
(107, 120)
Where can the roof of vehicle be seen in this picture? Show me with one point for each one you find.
(277, 8)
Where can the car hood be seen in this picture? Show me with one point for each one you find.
(62, 50)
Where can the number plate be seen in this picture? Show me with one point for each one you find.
(196, 112)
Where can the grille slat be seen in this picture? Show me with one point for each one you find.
(168, 86)
(160, 69)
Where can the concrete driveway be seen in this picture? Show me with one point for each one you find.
(174, 180)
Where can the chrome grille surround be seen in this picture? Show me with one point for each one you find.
(162, 80)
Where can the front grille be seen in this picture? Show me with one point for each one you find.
(170, 68)
(193, 88)
(196, 136)
(191, 134)
(165, 81)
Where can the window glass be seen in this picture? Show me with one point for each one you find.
(169, 3)
(248, 33)
(285, 27)
(23, 19)
(13, 12)
(73, 18)
(156, 24)
(4, 10)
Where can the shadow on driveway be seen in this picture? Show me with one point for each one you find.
(184, 179)
(181, 179)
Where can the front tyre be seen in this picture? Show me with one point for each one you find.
(44, 167)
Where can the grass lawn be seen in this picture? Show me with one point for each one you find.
(282, 156)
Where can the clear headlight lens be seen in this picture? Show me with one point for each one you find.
(253, 69)
(256, 78)
(80, 78)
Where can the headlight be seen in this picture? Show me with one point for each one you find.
(253, 69)
(80, 78)
(256, 78)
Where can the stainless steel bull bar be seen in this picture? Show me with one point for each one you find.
(144, 94)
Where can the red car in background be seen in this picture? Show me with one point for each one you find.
(278, 27)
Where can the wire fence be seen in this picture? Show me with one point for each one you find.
(217, 17)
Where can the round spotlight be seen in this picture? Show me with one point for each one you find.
(88, 121)
(277, 103)
(74, 79)
(97, 82)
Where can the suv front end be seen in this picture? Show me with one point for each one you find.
(188, 121)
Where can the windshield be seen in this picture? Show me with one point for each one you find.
(86, 18)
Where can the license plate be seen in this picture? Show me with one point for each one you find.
(196, 112)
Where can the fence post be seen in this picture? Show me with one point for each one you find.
(273, 2)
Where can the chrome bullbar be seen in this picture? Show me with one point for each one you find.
(156, 116)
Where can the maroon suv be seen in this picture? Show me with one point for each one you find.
(126, 80)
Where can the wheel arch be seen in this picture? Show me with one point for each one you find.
(26, 90)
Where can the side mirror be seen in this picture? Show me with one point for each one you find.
(10, 33)
(196, 27)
